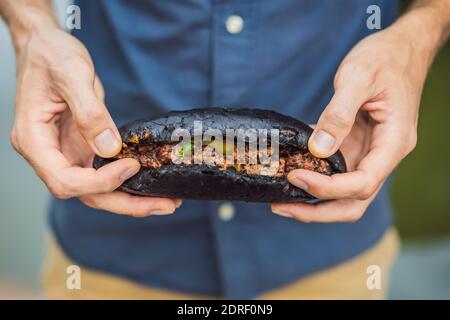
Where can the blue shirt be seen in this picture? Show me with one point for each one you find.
(154, 56)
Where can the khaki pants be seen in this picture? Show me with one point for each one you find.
(347, 280)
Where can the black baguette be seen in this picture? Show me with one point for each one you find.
(206, 182)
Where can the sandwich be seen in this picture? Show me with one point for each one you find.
(220, 154)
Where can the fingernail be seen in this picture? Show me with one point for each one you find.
(129, 172)
(161, 212)
(178, 203)
(107, 143)
(323, 142)
(280, 212)
(298, 182)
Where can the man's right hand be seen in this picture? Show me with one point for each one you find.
(61, 122)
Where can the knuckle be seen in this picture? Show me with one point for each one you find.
(363, 194)
(300, 216)
(343, 73)
(89, 118)
(14, 140)
(355, 216)
(366, 192)
(303, 219)
(58, 190)
(140, 213)
(351, 71)
(89, 201)
(340, 119)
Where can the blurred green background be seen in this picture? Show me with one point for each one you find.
(420, 194)
(421, 184)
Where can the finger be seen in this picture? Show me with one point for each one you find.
(64, 180)
(69, 182)
(387, 149)
(85, 99)
(360, 184)
(337, 119)
(357, 184)
(345, 210)
(123, 203)
(370, 173)
(80, 181)
(342, 210)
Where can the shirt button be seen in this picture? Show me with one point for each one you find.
(234, 24)
(226, 211)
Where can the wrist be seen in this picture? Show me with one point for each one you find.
(30, 22)
(425, 29)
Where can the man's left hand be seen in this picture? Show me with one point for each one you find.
(372, 118)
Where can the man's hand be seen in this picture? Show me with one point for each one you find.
(372, 116)
(61, 120)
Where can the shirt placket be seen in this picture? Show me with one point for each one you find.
(233, 44)
(233, 72)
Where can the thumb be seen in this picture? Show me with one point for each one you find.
(335, 122)
(93, 119)
(98, 89)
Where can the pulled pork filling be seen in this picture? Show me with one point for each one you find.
(156, 155)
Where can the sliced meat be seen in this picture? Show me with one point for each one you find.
(299, 160)
(156, 155)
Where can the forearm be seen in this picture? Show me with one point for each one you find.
(439, 14)
(427, 23)
(24, 17)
